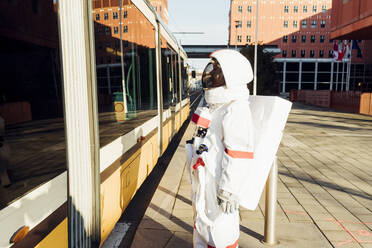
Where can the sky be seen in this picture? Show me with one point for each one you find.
(208, 16)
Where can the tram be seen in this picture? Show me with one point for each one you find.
(92, 92)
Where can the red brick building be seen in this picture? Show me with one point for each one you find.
(302, 31)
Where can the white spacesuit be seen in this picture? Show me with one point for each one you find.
(221, 148)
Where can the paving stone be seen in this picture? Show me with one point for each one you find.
(324, 187)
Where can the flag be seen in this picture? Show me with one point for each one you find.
(335, 50)
(347, 49)
(341, 51)
(356, 46)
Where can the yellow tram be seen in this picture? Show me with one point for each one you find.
(92, 93)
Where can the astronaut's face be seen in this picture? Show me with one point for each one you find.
(213, 75)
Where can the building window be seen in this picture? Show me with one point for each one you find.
(304, 9)
(321, 53)
(107, 30)
(240, 9)
(313, 23)
(295, 9)
(314, 8)
(304, 24)
(330, 40)
(330, 53)
(106, 16)
(324, 8)
(294, 38)
(250, 9)
(322, 39)
(125, 14)
(303, 53)
(97, 17)
(99, 30)
(285, 38)
(249, 24)
(322, 23)
(303, 38)
(293, 53)
(114, 15)
(239, 38)
(286, 9)
(116, 30)
(312, 53)
(312, 39)
(285, 24)
(284, 53)
(239, 24)
(295, 24)
(248, 38)
(125, 29)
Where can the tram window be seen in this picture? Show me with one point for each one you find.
(170, 77)
(137, 72)
(32, 136)
(184, 79)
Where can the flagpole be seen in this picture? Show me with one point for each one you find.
(337, 63)
(342, 78)
(349, 67)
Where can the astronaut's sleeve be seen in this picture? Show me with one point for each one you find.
(237, 128)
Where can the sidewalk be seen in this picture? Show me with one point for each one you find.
(324, 188)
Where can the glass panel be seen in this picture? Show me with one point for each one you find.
(169, 75)
(32, 135)
(184, 79)
(136, 70)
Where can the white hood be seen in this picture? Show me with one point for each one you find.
(237, 72)
(235, 67)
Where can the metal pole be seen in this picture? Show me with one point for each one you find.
(342, 78)
(331, 79)
(337, 63)
(255, 53)
(284, 77)
(122, 58)
(270, 205)
(300, 75)
(316, 75)
(349, 67)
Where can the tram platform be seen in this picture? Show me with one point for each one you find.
(324, 196)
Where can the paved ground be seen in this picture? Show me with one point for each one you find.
(324, 188)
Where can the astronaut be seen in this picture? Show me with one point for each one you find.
(221, 148)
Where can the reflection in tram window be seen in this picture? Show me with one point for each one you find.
(170, 75)
(32, 137)
(127, 81)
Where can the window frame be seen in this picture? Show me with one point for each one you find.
(303, 38)
(303, 24)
